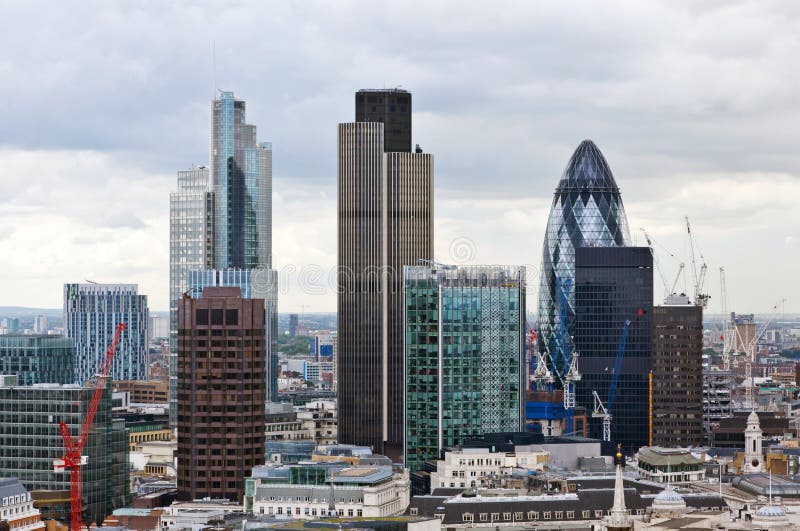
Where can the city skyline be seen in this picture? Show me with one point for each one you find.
(685, 130)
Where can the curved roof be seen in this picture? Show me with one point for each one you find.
(770, 511)
(587, 169)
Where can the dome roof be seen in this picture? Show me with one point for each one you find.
(587, 169)
(668, 500)
(752, 418)
(770, 511)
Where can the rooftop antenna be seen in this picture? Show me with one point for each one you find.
(214, 68)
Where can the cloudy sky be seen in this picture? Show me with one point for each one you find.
(696, 109)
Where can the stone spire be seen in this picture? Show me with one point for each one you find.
(618, 518)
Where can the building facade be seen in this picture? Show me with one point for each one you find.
(678, 375)
(587, 211)
(241, 175)
(464, 363)
(385, 221)
(258, 283)
(191, 246)
(614, 286)
(482, 467)
(392, 108)
(312, 490)
(31, 441)
(17, 510)
(38, 358)
(91, 314)
(221, 393)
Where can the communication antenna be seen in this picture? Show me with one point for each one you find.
(214, 69)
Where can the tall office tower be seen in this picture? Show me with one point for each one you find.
(745, 331)
(294, 321)
(91, 314)
(385, 215)
(221, 393)
(9, 325)
(32, 441)
(40, 324)
(392, 108)
(38, 359)
(253, 284)
(191, 246)
(241, 174)
(614, 285)
(465, 360)
(587, 211)
(678, 373)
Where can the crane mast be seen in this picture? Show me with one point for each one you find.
(699, 276)
(73, 460)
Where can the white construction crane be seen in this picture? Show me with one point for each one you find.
(572, 376)
(699, 277)
(728, 332)
(600, 411)
(656, 263)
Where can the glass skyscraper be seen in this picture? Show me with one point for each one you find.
(31, 441)
(38, 358)
(464, 363)
(614, 286)
(91, 314)
(587, 211)
(241, 174)
(221, 223)
(191, 247)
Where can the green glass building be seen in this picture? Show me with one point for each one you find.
(30, 441)
(38, 358)
(464, 346)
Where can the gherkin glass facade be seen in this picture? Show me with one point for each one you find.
(587, 211)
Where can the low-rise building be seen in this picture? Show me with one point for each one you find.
(197, 514)
(479, 467)
(311, 490)
(17, 507)
(144, 391)
(670, 465)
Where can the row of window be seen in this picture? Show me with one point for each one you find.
(531, 515)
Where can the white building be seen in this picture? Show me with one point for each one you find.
(91, 314)
(17, 509)
(195, 515)
(479, 467)
(327, 489)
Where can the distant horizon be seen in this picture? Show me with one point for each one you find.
(694, 107)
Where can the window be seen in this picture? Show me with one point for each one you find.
(232, 317)
(484, 517)
(586, 514)
(547, 515)
(216, 316)
(517, 516)
(533, 515)
(506, 516)
(559, 515)
(640, 511)
(495, 517)
(598, 514)
(413, 512)
(201, 317)
(467, 517)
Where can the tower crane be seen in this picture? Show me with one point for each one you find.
(728, 333)
(570, 358)
(601, 410)
(541, 372)
(656, 263)
(73, 460)
(699, 277)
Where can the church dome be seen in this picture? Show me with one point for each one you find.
(752, 418)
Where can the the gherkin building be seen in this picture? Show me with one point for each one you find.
(587, 211)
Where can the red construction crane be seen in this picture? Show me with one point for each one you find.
(73, 460)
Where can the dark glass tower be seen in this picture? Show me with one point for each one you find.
(614, 285)
(587, 211)
(392, 108)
